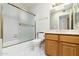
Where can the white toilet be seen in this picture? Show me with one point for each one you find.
(37, 42)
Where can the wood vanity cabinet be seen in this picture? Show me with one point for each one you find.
(67, 49)
(61, 44)
(51, 48)
(51, 44)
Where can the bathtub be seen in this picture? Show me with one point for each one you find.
(11, 42)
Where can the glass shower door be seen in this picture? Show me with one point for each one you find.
(26, 26)
(18, 25)
(10, 25)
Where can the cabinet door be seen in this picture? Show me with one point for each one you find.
(51, 47)
(67, 49)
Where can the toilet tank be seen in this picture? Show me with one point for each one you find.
(40, 35)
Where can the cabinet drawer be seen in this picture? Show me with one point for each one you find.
(51, 37)
(71, 39)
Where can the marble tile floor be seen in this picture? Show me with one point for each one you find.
(23, 49)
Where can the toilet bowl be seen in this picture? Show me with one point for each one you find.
(37, 42)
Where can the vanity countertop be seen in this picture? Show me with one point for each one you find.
(68, 32)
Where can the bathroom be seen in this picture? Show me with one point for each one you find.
(26, 28)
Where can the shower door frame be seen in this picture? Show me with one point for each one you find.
(1, 24)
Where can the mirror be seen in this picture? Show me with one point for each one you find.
(76, 14)
(65, 17)
(64, 22)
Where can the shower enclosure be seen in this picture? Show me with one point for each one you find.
(18, 25)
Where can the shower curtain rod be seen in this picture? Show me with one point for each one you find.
(22, 9)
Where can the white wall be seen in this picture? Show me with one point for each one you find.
(42, 11)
